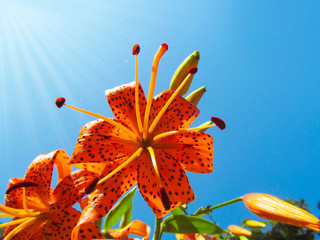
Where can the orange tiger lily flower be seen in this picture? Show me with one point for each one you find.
(239, 231)
(135, 227)
(40, 212)
(148, 142)
(272, 208)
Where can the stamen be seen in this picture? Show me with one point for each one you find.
(21, 185)
(21, 213)
(135, 51)
(219, 122)
(166, 134)
(15, 222)
(60, 102)
(21, 227)
(192, 70)
(91, 187)
(163, 194)
(134, 156)
(108, 120)
(165, 199)
(24, 201)
(163, 48)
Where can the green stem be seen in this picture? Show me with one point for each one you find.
(225, 203)
(206, 210)
(157, 229)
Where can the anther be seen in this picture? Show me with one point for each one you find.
(91, 187)
(136, 49)
(60, 102)
(165, 199)
(219, 122)
(20, 185)
(193, 70)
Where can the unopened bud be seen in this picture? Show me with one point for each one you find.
(182, 72)
(196, 95)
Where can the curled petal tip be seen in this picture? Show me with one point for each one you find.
(60, 101)
(193, 70)
(219, 122)
(136, 49)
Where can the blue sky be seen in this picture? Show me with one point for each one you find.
(260, 62)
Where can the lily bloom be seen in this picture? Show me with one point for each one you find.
(239, 231)
(135, 227)
(272, 208)
(40, 212)
(195, 236)
(148, 142)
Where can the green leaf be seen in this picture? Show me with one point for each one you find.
(126, 218)
(189, 224)
(119, 210)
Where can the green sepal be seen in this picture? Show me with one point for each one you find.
(119, 210)
(189, 224)
(243, 238)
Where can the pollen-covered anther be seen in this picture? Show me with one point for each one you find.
(20, 185)
(192, 70)
(91, 187)
(136, 49)
(60, 102)
(165, 199)
(219, 122)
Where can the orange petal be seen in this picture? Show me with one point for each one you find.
(239, 231)
(73, 187)
(272, 208)
(40, 171)
(180, 113)
(193, 150)
(122, 103)
(174, 179)
(105, 195)
(135, 227)
(100, 144)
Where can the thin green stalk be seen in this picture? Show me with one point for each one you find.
(225, 203)
(157, 229)
(206, 210)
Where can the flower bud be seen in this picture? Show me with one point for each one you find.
(182, 72)
(239, 231)
(255, 224)
(196, 95)
(272, 208)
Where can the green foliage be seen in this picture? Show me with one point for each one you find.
(122, 208)
(189, 224)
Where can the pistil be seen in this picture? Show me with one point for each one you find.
(163, 48)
